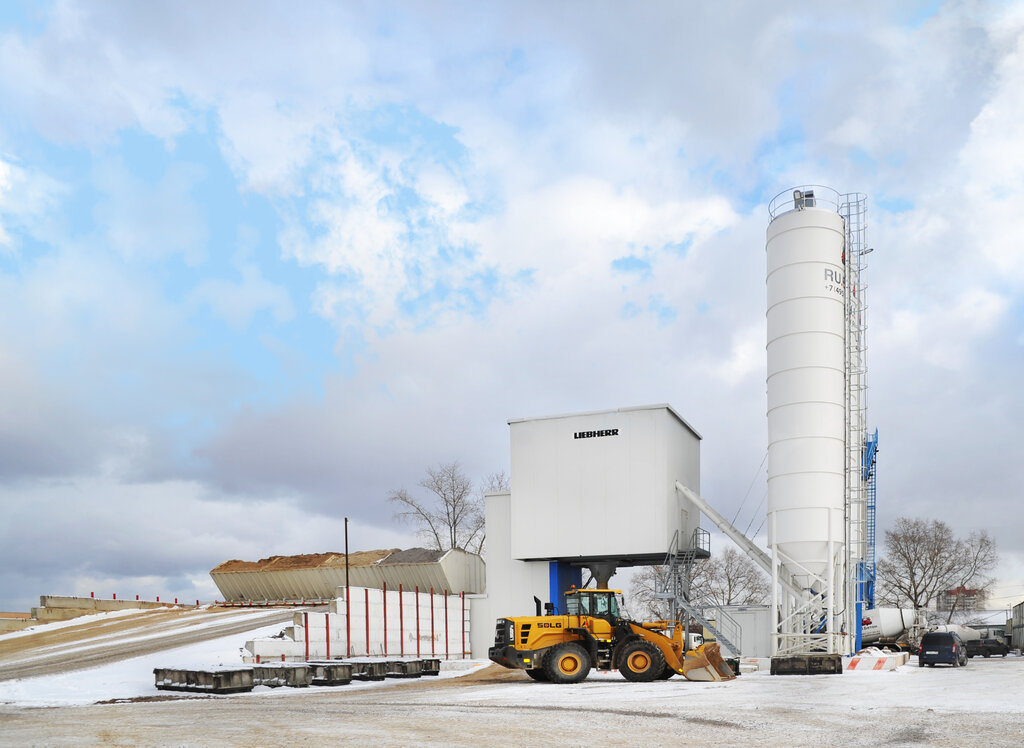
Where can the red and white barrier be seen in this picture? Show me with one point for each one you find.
(877, 660)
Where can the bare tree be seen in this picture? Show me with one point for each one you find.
(730, 579)
(727, 579)
(924, 560)
(644, 602)
(971, 583)
(453, 516)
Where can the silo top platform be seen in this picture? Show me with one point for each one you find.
(600, 485)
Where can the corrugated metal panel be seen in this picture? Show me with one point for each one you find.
(465, 572)
(455, 571)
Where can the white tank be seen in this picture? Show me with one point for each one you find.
(965, 633)
(888, 623)
(806, 387)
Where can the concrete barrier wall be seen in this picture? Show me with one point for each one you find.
(8, 625)
(390, 624)
(62, 608)
(101, 605)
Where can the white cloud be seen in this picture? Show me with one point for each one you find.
(579, 225)
(237, 302)
(992, 161)
(27, 201)
(266, 142)
(944, 334)
(148, 222)
(746, 356)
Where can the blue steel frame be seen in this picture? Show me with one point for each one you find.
(866, 569)
(561, 577)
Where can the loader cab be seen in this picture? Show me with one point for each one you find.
(590, 602)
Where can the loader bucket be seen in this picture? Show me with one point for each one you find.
(706, 664)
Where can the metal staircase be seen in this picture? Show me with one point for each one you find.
(676, 590)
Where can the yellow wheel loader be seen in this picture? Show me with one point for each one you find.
(564, 648)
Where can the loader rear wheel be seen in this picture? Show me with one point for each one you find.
(641, 662)
(538, 675)
(567, 663)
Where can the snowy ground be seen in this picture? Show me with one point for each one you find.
(133, 678)
(982, 704)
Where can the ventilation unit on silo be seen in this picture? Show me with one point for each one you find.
(816, 403)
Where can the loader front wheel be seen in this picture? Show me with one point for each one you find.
(567, 663)
(538, 674)
(641, 662)
(667, 673)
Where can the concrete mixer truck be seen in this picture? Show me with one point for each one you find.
(896, 628)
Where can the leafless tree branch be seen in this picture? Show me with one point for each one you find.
(924, 561)
(453, 515)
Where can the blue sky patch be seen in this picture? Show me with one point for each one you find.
(633, 265)
(894, 204)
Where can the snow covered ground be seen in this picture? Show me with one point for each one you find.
(981, 704)
(133, 678)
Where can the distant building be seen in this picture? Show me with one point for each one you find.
(1017, 627)
(962, 599)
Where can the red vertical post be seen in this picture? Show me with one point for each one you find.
(462, 597)
(157, 598)
(136, 597)
(417, 620)
(446, 656)
(385, 586)
(258, 659)
(367, 594)
(305, 628)
(431, 621)
(92, 594)
(175, 601)
(327, 629)
(348, 607)
(115, 596)
(401, 623)
(282, 659)
(197, 603)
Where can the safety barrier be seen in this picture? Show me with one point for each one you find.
(329, 673)
(227, 680)
(877, 661)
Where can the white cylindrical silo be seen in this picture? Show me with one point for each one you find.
(806, 388)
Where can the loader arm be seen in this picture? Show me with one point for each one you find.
(702, 664)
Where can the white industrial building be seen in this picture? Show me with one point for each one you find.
(590, 492)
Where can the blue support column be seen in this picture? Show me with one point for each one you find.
(562, 576)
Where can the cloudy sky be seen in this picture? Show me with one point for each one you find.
(261, 264)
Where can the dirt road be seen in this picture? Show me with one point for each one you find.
(57, 650)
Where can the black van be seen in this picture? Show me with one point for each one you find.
(942, 647)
